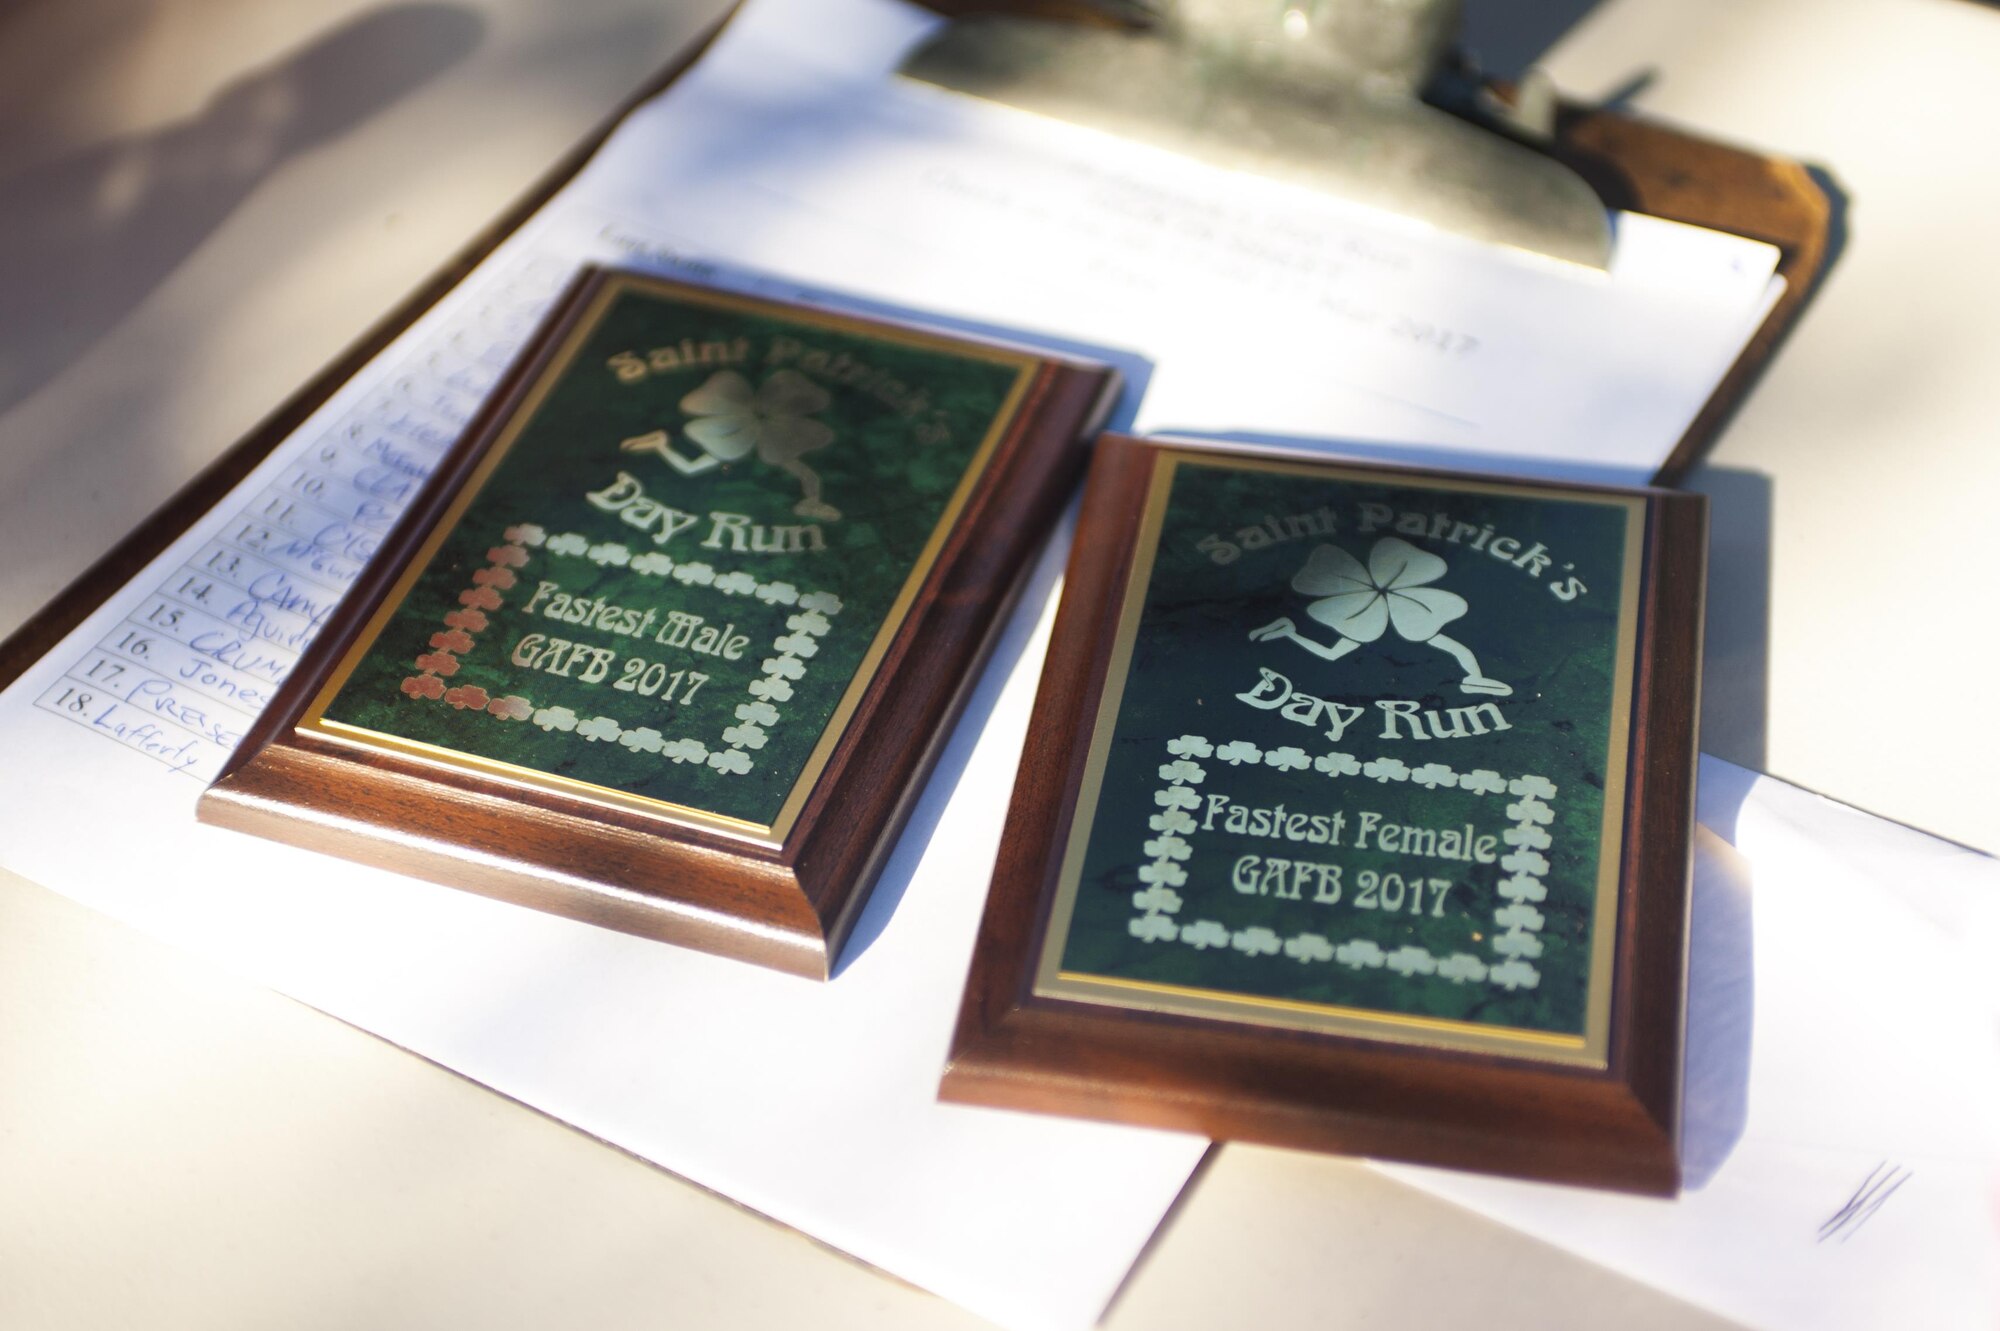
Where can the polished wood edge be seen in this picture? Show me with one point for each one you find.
(1656, 879)
(794, 905)
(719, 905)
(1612, 1127)
(1665, 172)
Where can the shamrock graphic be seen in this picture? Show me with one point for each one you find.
(1256, 941)
(809, 621)
(643, 740)
(1527, 835)
(1411, 960)
(746, 736)
(1204, 934)
(1392, 591)
(1309, 947)
(1239, 751)
(556, 718)
(1480, 781)
(424, 686)
(686, 751)
(1359, 952)
(1462, 966)
(1538, 786)
(1287, 759)
(732, 420)
(653, 564)
(819, 603)
(513, 707)
(1385, 770)
(1337, 764)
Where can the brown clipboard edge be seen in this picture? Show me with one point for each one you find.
(1646, 167)
(1634, 164)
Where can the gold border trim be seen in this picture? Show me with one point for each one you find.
(1591, 1048)
(773, 834)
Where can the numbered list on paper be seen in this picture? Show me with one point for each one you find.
(180, 678)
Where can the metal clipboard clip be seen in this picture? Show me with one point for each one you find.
(1320, 93)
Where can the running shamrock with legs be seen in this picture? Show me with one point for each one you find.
(1361, 603)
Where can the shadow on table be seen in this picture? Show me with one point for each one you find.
(1721, 985)
(1736, 651)
(1736, 654)
(85, 238)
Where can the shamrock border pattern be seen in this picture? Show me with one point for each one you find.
(754, 719)
(1518, 941)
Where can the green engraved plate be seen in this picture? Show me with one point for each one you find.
(1360, 760)
(677, 566)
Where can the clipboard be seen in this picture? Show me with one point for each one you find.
(1634, 164)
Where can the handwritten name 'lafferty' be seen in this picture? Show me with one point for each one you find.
(1369, 518)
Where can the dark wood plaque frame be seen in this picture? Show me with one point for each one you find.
(1615, 1126)
(788, 905)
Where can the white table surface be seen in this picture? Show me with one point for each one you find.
(203, 201)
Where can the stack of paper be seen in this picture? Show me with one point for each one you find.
(789, 162)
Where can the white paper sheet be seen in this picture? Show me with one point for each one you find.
(1842, 1134)
(1266, 308)
(786, 153)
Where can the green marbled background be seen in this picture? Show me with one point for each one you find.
(1192, 653)
(890, 489)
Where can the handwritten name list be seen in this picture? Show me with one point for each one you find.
(180, 678)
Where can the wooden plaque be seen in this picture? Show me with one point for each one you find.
(1355, 816)
(674, 633)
